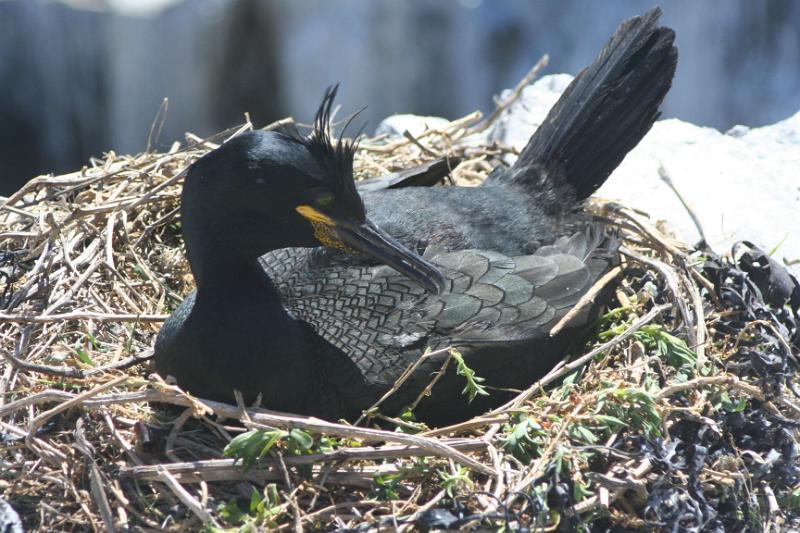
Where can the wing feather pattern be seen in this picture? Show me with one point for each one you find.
(383, 321)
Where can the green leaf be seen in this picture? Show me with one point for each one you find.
(272, 439)
(301, 439)
(129, 340)
(584, 434)
(408, 415)
(522, 439)
(612, 422)
(729, 405)
(83, 357)
(387, 486)
(93, 340)
(671, 349)
(231, 512)
(255, 501)
(473, 387)
(453, 482)
(139, 271)
(580, 492)
(558, 460)
(570, 379)
(253, 445)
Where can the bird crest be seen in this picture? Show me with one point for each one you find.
(336, 159)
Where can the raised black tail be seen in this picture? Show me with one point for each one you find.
(603, 113)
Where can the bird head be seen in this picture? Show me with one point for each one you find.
(265, 190)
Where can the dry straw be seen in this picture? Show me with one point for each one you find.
(92, 262)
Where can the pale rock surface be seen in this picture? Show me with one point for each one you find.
(396, 125)
(742, 185)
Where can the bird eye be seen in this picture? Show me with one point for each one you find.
(323, 199)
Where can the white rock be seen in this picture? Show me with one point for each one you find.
(515, 125)
(395, 125)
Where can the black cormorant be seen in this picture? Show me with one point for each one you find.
(324, 332)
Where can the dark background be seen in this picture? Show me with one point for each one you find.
(82, 77)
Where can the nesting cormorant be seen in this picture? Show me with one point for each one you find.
(322, 331)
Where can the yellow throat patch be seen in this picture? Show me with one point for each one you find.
(324, 228)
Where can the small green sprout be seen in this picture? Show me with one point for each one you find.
(524, 439)
(387, 486)
(473, 386)
(455, 481)
(263, 511)
(252, 446)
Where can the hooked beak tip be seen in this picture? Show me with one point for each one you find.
(367, 238)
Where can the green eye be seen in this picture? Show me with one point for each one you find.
(324, 199)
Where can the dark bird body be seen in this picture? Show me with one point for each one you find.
(322, 331)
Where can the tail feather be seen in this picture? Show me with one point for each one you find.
(603, 113)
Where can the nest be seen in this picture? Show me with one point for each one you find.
(680, 413)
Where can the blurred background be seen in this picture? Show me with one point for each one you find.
(80, 77)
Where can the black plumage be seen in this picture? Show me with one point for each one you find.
(322, 331)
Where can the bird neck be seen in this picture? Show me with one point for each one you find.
(222, 253)
(248, 341)
(214, 276)
(224, 261)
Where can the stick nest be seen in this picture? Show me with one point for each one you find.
(680, 413)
